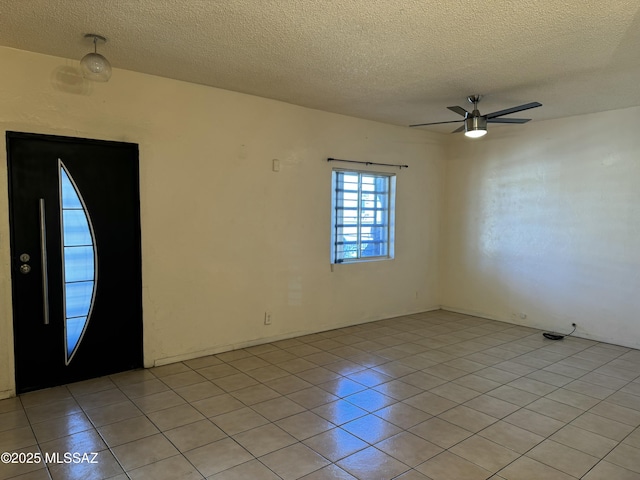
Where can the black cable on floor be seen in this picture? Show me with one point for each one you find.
(558, 336)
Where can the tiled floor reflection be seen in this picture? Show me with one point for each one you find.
(437, 395)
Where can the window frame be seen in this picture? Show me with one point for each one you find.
(390, 217)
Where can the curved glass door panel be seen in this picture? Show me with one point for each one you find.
(74, 329)
(78, 297)
(76, 228)
(70, 198)
(79, 258)
(79, 264)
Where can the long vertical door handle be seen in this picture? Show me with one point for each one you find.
(43, 257)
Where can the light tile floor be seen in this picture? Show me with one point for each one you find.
(437, 395)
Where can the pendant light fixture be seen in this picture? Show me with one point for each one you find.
(93, 65)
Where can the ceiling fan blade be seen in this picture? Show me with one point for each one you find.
(435, 123)
(508, 120)
(519, 108)
(459, 129)
(459, 111)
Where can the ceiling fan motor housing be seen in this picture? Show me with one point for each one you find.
(475, 121)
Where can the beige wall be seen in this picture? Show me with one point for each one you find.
(225, 238)
(543, 220)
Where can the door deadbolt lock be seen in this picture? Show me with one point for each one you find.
(25, 257)
(24, 268)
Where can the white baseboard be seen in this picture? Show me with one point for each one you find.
(536, 325)
(262, 340)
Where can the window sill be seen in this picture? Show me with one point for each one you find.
(362, 260)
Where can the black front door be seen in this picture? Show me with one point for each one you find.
(75, 254)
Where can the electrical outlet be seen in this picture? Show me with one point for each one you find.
(267, 318)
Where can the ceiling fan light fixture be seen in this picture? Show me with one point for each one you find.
(475, 126)
(93, 65)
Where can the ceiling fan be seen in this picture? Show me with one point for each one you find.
(475, 125)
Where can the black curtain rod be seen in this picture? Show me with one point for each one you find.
(368, 163)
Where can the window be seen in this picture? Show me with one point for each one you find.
(362, 216)
(80, 270)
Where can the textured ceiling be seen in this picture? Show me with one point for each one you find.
(400, 62)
